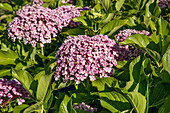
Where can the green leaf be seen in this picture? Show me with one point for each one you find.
(34, 108)
(48, 99)
(131, 21)
(7, 57)
(64, 84)
(138, 39)
(155, 55)
(79, 3)
(24, 77)
(135, 68)
(138, 101)
(134, 4)
(46, 5)
(147, 21)
(39, 75)
(165, 76)
(74, 32)
(20, 108)
(165, 43)
(107, 5)
(33, 53)
(119, 4)
(63, 105)
(6, 6)
(166, 60)
(4, 72)
(155, 38)
(160, 92)
(121, 64)
(80, 19)
(100, 83)
(152, 8)
(43, 86)
(113, 26)
(106, 20)
(18, 2)
(114, 101)
(164, 27)
(165, 107)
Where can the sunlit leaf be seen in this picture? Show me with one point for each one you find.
(8, 57)
(138, 101)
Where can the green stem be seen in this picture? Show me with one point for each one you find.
(147, 94)
(42, 53)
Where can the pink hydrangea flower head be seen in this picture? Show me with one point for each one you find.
(126, 52)
(83, 57)
(35, 24)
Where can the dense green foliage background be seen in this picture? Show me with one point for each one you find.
(140, 85)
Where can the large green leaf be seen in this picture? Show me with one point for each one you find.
(138, 39)
(165, 76)
(43, 85)
(107, 5)
(24, 77)
(138, 101)
(155, 38)
(8, 57)
(155, 55)
(80, 19)
(18, 2)
(119, 4)
(48, 99)
(35, 108)
(165, 44)
(135, 69)
(63, 105)
(113, 26)
(160, 92)
(6, 6)
(164, 26)
(100, 83)
(134, 4)
(20, 108)
(152, 8)
(114, 101)
(166, 60)
(165, 107)
(106, 20)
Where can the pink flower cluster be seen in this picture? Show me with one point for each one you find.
(82, 56)
(163, 3)
(85, 107)
(125, 52)
(34, 23)
(12, 90)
